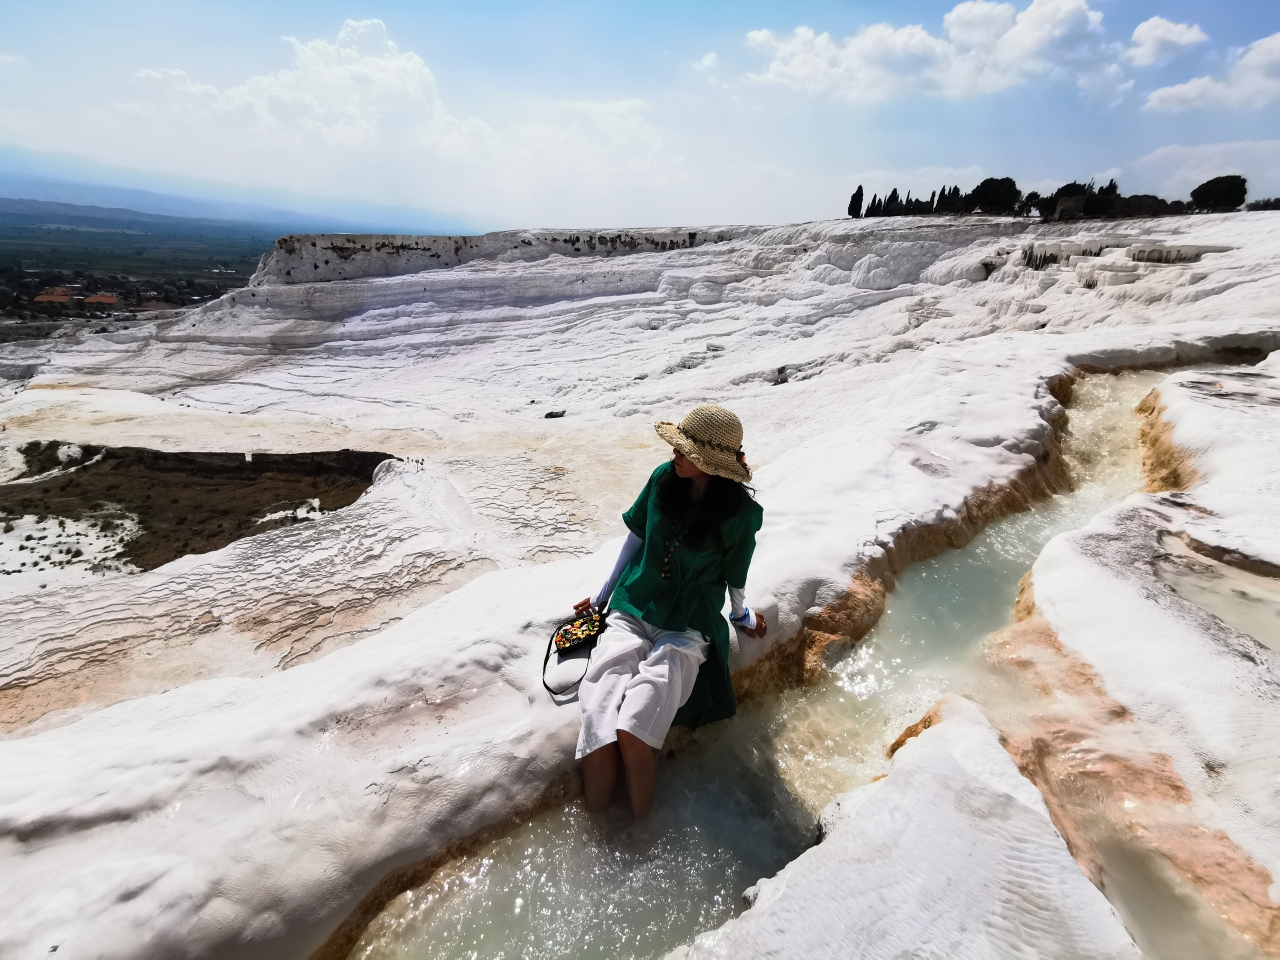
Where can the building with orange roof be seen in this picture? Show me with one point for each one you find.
(54, 295)
(102, 300)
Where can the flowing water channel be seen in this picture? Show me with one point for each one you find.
(744, 799)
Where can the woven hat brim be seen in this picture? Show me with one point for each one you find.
(706, 460)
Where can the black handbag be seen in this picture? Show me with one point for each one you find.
(579, 632)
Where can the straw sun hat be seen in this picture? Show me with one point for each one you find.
(711, 437)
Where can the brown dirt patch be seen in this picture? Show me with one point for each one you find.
(183, 502)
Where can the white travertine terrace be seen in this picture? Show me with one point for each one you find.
(313, 258)
(220, 805)
(1200, 692)
(1163, 712)
(951, 854)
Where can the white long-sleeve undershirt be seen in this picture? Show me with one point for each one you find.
(738, 608)
(737, 596)
(629, 548)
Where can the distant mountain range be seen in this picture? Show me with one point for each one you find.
(90, 218)
(62, 241)
(66, 179)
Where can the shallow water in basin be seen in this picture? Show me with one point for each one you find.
(744, 799)
(1248, 601)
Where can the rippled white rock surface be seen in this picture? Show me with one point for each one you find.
(952, 854)
(1170, 603)
(226, 806)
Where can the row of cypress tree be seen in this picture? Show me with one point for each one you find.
(1001, 197)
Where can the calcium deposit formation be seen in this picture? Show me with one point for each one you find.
(250, 750)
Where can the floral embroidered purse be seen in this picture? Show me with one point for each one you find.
(581, 631)
(575, 632)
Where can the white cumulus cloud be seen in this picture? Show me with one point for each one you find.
(708, 62)
(1105, 84)
(359, 111)
(1253, 82)
(1172, 171)
(577, 148)
(347, 91)
(177, 81)
(1158, 39)
(987, 47)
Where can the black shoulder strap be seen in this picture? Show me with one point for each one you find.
(551, 645)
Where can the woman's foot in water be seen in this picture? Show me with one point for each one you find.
(637, 758)
(599, 774)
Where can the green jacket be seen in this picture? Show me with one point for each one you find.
(694, 596)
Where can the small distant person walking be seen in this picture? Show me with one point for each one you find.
(664, 658)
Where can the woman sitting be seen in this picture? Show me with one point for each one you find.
(664, 657)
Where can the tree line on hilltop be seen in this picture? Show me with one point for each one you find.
(1000, 196)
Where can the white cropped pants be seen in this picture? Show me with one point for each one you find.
(637, 678)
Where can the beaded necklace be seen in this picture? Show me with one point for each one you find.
(672, 542)
(671, 545)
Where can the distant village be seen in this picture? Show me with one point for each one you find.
(34, 295)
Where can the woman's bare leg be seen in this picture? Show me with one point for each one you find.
(637, 757)
(599, 772)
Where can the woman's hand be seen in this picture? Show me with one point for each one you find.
(761, 628)
(582, 606)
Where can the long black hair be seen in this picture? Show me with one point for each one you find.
(723, 498)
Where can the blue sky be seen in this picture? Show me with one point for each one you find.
(538, 113)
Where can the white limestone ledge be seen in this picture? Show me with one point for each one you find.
(951, 855)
